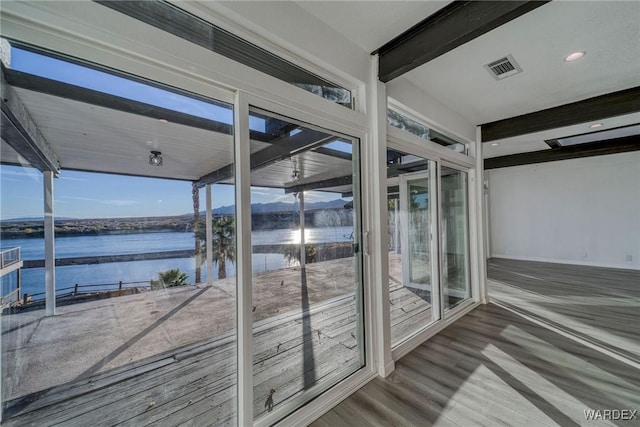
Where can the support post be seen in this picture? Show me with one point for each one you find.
(479, 232)
(244, 285)
(396, 224)
(209, 237)
(49, 246)
(378, 225)
(303, 252)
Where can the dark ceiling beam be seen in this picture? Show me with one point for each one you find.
(22, 134)
(402, 168)
(281, 148)
(600, 107)
(455, 24)
(325, 183)
(102, 99)
(333, 153)
(600, 148)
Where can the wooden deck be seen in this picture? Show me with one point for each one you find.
(493, 368)
(599, 305)
(195, 384)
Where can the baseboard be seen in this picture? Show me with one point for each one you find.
(568, 261)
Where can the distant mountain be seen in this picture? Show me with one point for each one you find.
(35, 218)
(282, 207)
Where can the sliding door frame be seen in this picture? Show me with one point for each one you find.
(411, 144)
(288, 413)
(447, 313)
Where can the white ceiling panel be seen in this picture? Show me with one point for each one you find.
(93, 138)
(609, 32)
(371, 24)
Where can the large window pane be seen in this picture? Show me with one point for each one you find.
(405, 123)
(144, 331)
(413, 282)
(455, 237)
(306, 285)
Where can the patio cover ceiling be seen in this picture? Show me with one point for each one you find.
(90, 136)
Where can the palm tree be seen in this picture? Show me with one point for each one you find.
(195, 195)
(223, 243)
(173, 277)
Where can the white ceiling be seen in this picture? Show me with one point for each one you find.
(93, 138)
(371, 24)
(609, 32)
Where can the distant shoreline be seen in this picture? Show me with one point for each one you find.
(336, 217)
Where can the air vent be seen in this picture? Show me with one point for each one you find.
(503, 68)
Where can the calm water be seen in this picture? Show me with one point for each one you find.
(143, 271)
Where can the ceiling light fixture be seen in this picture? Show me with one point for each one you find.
(295, 175)
(495, 144)
(155, 158)
(596, 125)
(574, 56)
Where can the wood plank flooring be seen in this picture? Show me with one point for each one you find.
(599, 305)
(493, 368)
(195, 384)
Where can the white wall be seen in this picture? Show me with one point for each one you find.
(579, 211)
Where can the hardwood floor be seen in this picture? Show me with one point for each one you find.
(599, 305)
(494, 368)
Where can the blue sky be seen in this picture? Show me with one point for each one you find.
(95, 195)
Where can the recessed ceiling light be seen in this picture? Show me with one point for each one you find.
(163, 120)
(495, 144)
(574, 56)
(596, 125)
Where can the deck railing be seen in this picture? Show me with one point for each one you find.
(9, 257)
(78, 289)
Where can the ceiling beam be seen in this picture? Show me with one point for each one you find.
(599, 148)
(106, 100)
(22, 134)
(455, 24)
(597, 108)
(397, 169)
(339, 181)
(281, 148)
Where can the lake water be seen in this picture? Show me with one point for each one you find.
(109, 274)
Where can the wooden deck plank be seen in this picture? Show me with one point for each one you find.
(196, 382)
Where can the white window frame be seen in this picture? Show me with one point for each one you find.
(283, 415)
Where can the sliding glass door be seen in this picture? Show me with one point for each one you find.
(429, 272)
(307, 293)
(456, 278)
(413, 260)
